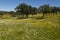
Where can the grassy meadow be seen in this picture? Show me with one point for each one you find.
(31, 28)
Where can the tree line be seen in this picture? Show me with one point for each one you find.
(24, 9)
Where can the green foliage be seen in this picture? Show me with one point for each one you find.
(44, 9)
(25, 9)
(12, 13)
(31, 28)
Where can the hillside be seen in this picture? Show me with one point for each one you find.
(31, 28)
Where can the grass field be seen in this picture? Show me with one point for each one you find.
(31, 28)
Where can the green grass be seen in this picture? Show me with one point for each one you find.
(31, 28)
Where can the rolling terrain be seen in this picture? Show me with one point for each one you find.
(32, 28)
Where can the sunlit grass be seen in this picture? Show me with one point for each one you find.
(31, 28)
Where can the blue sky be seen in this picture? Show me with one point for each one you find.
(8, 5)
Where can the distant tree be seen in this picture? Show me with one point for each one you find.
(12, 13)
(58, 9)
(24, 9)
(44, 9)
(34, 11)
(1, 13)
(54, 10)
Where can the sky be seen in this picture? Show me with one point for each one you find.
(9, 5)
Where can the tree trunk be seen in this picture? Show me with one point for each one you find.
(43, 16)
(32, 14)
(49, 13)
(26, 16)
(56, 13)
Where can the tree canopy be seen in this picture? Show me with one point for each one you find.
(25, 9)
